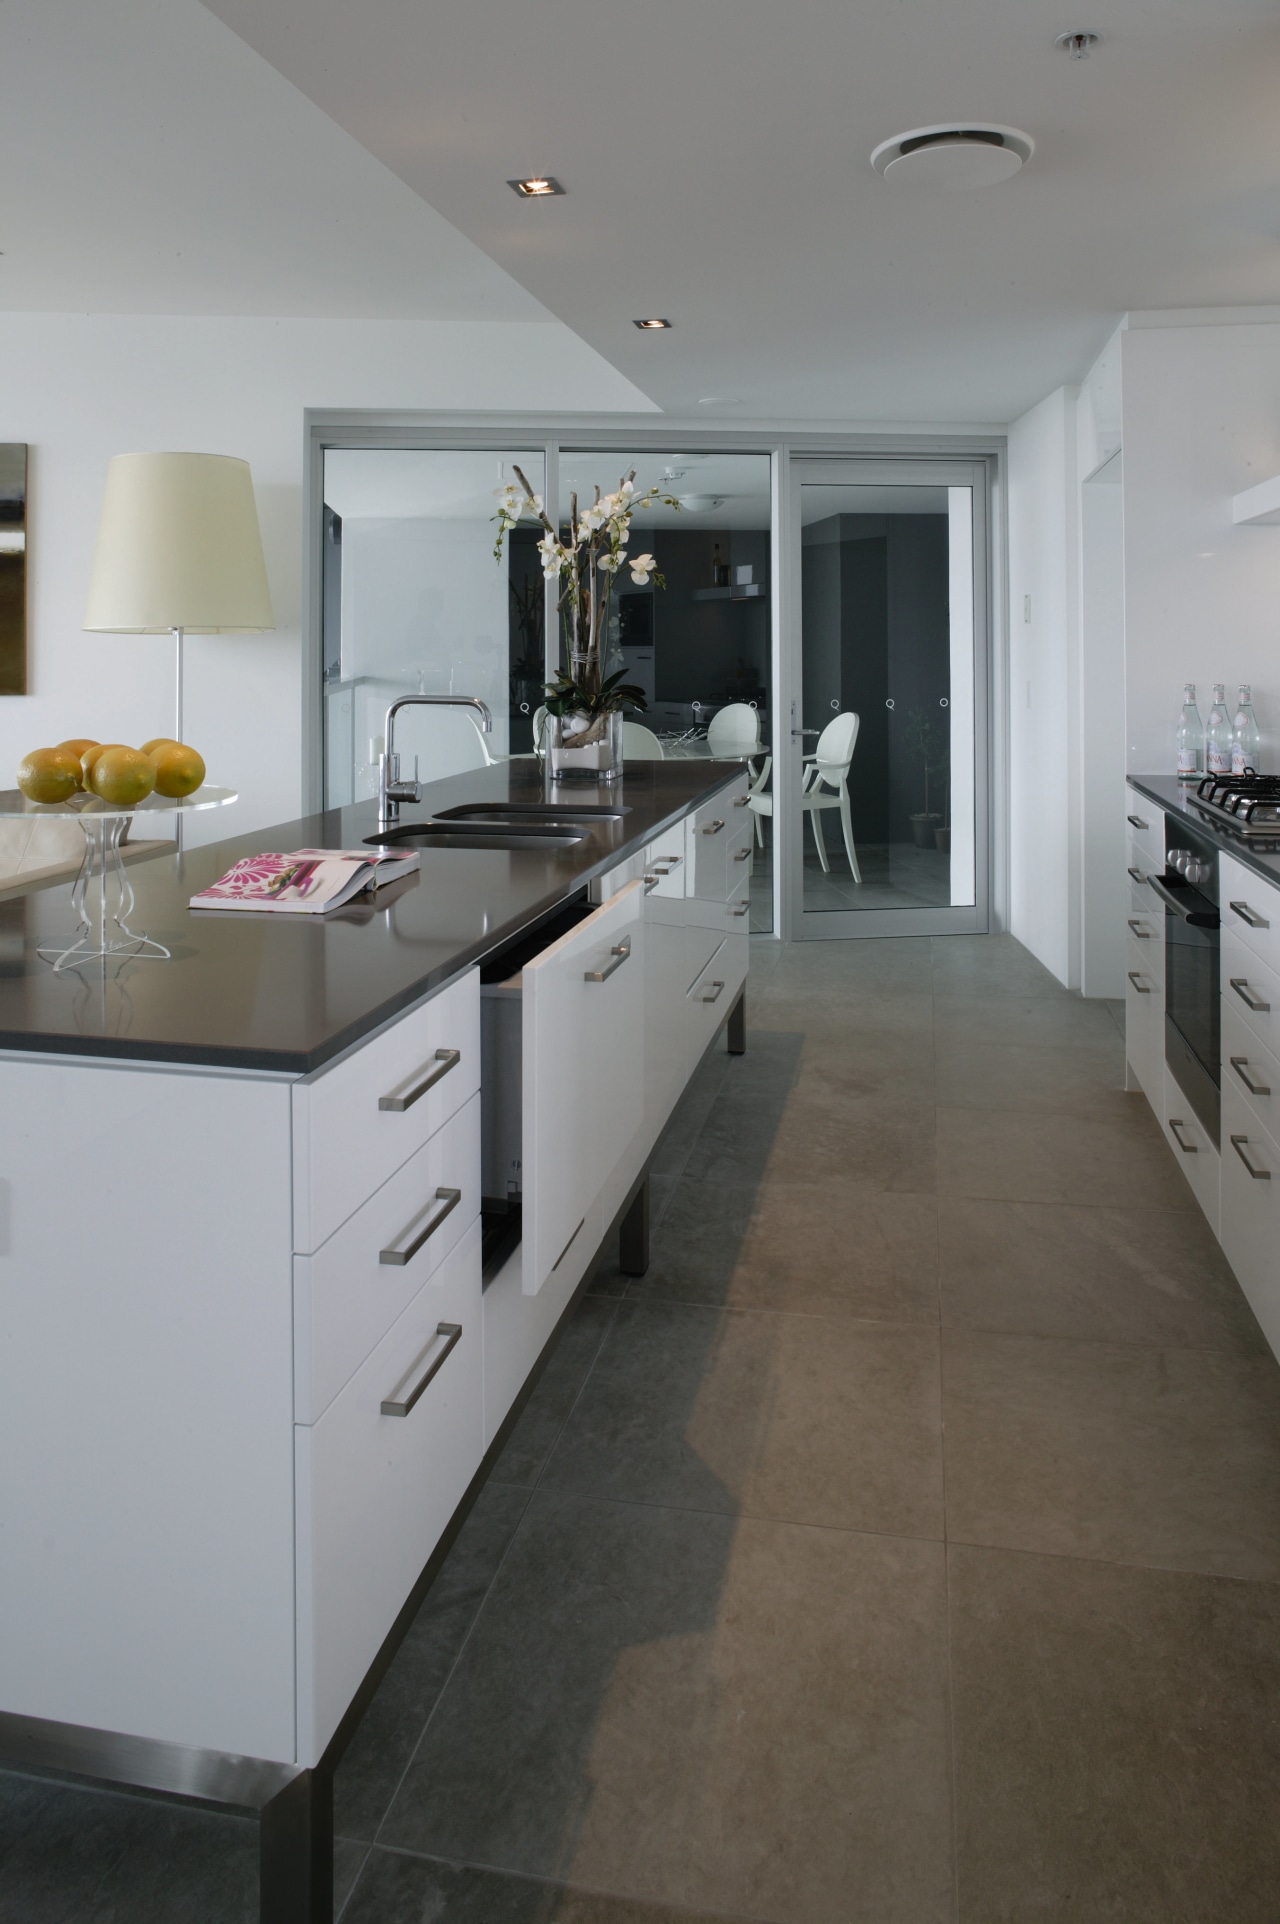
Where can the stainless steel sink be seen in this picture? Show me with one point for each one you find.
(487, 834)
(512, 813)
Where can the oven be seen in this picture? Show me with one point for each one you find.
(1188, 887)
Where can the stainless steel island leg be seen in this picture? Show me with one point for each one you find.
(737, 1025)
(296, 1852)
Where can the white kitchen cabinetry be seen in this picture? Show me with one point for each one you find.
(1252, 1068)
(1196, 1153)
(1251, 1209)
(1144, 1021)
(1251, 990)
(1144, 949)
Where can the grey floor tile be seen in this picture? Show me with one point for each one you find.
(987, 965)
(397, 1888)
(1134, 1455)
(892, 964)
(803, 1418)
(1111, 1275)
(836, 1067)
(543, 1416)
(980, 1075)
(813, 1134)
(698, 1711)
(374, 1761)
(348, 1861)
(70, 1855)
(1117, 1743)
(680, 1134)
(1043, 1021)
(835, 1250)
(1118, 1161)
(825, 1011)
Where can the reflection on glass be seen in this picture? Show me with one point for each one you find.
(414, 602)
(888, 776)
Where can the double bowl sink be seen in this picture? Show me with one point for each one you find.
(501, 825)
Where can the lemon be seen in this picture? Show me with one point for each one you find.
(179, 770)
(49, 774)
(79, 745)
(159, 741)
(123, 776)
(88, 759)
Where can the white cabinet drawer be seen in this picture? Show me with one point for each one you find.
(714, 993)
(702, 939)
(1250, 1068)
(1250, 909)
(665, 861)
(1144, 1024)
(1144, 927)
(1196, 1155)
(375, 1490)
(1251, 989)
(1250, 1232)
(738, 907)
(346, 1142)
(348, 1294)
(1144, 830)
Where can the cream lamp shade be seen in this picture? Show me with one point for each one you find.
(178, 548)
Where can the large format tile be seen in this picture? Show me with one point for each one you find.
(1117, 1743)
(1120, 1275)
(836, 1068)
(729, 1715)
(988, 965)
(980, 1075)
(829, 1251)
(803, 1418)
(374, 1761)
(1037, 1021)
(543, 1416)
(824, 1012)
(398, 1888)
(816, 1137)
(1114, 1451)
(1113, 1162)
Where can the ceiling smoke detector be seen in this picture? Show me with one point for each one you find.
(952, 157)
(1077, 44)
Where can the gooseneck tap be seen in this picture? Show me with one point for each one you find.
(391, 790)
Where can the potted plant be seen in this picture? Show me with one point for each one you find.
(584, 702)
(925, 736)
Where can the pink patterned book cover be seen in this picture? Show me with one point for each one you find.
(304, 881)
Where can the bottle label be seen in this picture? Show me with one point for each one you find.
(1187, 759)
(1219, 764)
(1239, 759)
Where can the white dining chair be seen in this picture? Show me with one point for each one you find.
(734, 731)
(825, 779)
(640, 744)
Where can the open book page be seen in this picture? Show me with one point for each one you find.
(304, 881)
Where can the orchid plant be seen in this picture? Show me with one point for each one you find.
(586, 561)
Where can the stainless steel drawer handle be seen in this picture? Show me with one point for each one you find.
(743, 908)
(1246, 914)
(620, 952)
(1140, 930)
(713, 828)
(1239, 1143)
(717, 989)
(445, 1059)
(397, 1258)
(740, 801)
(1137, 821)
(651, 882)
(399, 1405)
(665, 863)
(1240, 1064)
(1187, 1148)
(743, 855)
(1133, 977)
(1136, 875)
(1240, 983)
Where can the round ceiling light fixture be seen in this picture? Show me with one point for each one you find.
(952, 158)
(701, 503)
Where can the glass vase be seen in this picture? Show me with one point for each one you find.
(580, 746)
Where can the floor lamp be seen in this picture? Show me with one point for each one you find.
(178, 549)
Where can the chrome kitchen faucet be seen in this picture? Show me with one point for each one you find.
(391, 790)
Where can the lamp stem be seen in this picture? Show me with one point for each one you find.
(177, 729)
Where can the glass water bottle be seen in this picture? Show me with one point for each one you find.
(1190, 736)
(1246, 744)
(1217, 736)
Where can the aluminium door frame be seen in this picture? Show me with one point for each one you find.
(783, 441)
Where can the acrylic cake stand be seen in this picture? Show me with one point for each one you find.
(102, 894)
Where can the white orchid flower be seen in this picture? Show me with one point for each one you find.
(611, 563)
(641, 568)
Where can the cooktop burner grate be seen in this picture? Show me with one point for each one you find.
(1247, 805)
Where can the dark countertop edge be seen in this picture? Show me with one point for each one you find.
(293, 1064)
(1168, 796)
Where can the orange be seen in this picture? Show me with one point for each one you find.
(49, 775)
(123, 776)
(179, 770)
(79, 745)
(88, 759)
(159, 741)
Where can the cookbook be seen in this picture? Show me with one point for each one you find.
(305, 881)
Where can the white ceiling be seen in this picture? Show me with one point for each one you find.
(716, 156)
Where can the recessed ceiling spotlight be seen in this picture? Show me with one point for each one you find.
(1077, 44)
(951, 157)
(537, 187)
(646, 326)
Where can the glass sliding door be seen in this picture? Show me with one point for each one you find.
(885, 766)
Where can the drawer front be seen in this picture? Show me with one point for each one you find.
(714, 993)
(1251, 989)
(666, 864)
(1144, 1023)
(345, 1143)
(707, 838)
(1144, 830)
(1144, 925)
(345, 1297)
(375, 1491)
(738, 907)
(1251, 910)
(1251, 1069)
(702, 939)
(1196, 1155)
(1250, 1232)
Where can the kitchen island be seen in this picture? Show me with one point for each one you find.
(289, 1224)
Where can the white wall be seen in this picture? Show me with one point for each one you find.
(80, 388)
(1202, 597)
(1043, 583)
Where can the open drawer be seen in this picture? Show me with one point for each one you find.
(565, 1074)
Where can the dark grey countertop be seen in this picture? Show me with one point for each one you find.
(288, 993)
(1170, 795)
